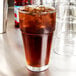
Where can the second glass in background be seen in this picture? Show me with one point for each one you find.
(3, 16)
(66, 27)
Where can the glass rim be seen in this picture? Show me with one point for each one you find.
(22, 7)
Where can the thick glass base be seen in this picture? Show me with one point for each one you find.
(37, 69)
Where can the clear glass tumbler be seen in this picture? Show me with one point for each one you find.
(37, 24)
(3, 16)
(65, 43)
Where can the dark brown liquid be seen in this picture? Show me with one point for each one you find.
(37, 28)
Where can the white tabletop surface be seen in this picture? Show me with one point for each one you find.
(12, 58)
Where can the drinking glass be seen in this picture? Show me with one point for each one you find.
(3, 16)
(65, 43)
(37, 24)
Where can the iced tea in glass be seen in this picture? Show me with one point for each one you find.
(37, 24)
